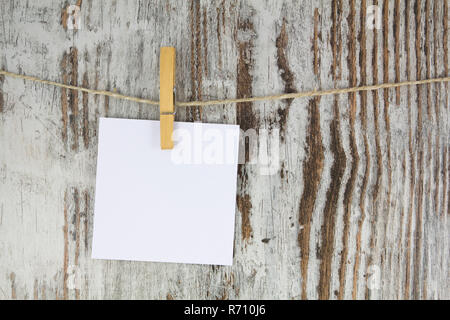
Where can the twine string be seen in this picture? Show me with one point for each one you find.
(314, 93)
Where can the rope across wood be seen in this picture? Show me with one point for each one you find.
(229, 101)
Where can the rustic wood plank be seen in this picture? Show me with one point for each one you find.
(358, 207)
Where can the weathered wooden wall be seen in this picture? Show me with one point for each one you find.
(359, 207)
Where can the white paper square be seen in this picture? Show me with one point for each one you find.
(165, 205)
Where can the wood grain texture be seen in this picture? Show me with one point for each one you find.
(358, 208)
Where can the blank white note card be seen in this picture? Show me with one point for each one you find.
(165, 205)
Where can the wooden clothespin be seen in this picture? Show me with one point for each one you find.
(166, 95)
